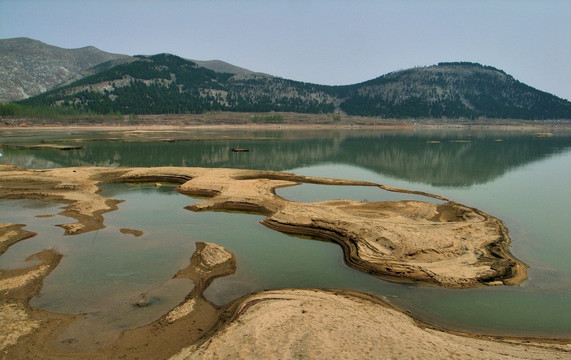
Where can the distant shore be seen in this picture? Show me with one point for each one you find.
(274, 121)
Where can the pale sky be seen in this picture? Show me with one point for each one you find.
(324, 42)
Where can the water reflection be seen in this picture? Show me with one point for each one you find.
(439, 158)
(536, 216)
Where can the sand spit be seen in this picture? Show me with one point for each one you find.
(316, 324)
(449, 245)
(189, 322)
(207, 263)
(11, 234)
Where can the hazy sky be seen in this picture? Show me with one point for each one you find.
(325, 42)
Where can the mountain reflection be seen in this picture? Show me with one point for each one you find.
(446, 158)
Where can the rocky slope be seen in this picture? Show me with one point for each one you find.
(30, 67)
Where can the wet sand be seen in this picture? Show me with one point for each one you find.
(449, 245)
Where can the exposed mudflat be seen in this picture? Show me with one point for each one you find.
(447, 244)
(11, 234)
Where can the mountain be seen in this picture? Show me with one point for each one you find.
(224, 67)
(30, 67)
(166, 83)
(458, 89)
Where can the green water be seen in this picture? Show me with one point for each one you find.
(410, 155)
(533, 202)
(314, 192)
(523, 180)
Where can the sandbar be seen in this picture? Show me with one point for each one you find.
(448, 244)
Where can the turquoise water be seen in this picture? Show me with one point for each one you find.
(522, 180)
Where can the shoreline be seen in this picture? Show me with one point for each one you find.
(448, 244)
(398, 345)
(239, 120)
(311, 126)
(315, 314)
(168, 133)
(277, 321)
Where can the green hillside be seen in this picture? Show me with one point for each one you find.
(163, 84)
(167, 84)
(452, 90)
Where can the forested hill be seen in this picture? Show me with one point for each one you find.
(459, 89)
(166, 83)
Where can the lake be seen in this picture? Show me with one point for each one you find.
(520, 178)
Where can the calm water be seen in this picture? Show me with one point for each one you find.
(522, 179)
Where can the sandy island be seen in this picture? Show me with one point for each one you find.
(446, 244)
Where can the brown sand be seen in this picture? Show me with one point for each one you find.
(315, 324)
(448, 245)
(464, 247)
(45, 147)
(11, 234)
(134, 232)
(17, 320)
(281, 324)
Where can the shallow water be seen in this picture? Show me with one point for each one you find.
(315, 192)
(533, 201)
(523, 180)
